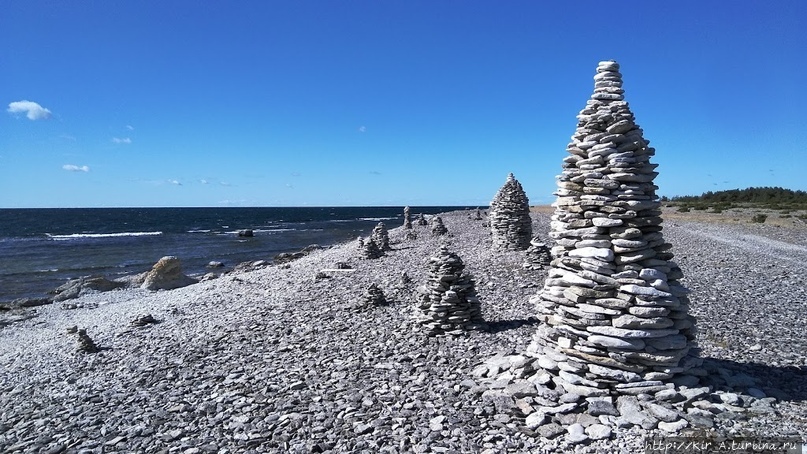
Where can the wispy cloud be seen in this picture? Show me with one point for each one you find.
(31, 109)
(130, 127)
(126, 140)
(224, 183)
(75, 168)
(375, 172)
(175, 182)
(362, 129)
(68, 137)
(203, 181)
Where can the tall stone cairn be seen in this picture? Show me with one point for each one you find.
(407, 218)
(380, 236)
(509, 217)
(448, 300)
(614, 315)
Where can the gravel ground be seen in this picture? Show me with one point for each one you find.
(276, 360)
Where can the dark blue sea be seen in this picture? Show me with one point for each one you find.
(41, 248)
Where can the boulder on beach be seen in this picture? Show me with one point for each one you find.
(166, 274)
(77, 287)
(246, 233)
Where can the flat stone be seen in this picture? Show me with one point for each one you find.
(674, 342)
(550, 430)
(673, 427)
(598, 253)
(601, 407)
(631, 411)
(634, 322)
(535, 420)
(662, 413)
(615, 374)
(598, 432)
(644, 291)
(631, 333)
(576, 433)
(615, 342)
(606, 222)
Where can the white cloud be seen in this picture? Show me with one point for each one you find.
(203, 181)
(31, 109)
(362, 129)
(130, 127)
(176, 182)
(75, 168)
(121, 140)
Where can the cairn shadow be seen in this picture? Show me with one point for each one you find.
(498, 326)
(785, 383)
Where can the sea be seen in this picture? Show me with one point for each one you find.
(40, 249)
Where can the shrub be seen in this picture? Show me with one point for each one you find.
(683, 209)
(759, 218)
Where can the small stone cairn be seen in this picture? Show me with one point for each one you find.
(421, 220)
(448, 300)
(380, 236)
(369, 249)
(615, 348)
(85, 343)
(407, 218)
(372, 297)
(438, 228)
(538, 255)
(509, 217)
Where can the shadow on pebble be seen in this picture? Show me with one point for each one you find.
(504, 325)
(786, 383)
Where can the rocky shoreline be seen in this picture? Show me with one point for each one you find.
(287, 358)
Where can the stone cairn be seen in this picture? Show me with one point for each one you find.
(372, 297)
(407, 218)
(615, 348)
(421, 220)
(509, 217)
(448, 300)
(380, 236)
(369, 249)
(538, 255)
(438, 228)
(85, 342)
(478, 215)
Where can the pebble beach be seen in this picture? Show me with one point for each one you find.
(289, 358)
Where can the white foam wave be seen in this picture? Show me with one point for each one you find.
(376, 219)
(100, 235)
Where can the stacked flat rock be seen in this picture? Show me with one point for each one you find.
(380, 237)
(421, 220)
(369, 249)
(509, 217)
(615, 316)
(438, 228)
(407, 218)
(538, 255)
(372, 297)
(85, 343)
(448, 300)
(478, 215)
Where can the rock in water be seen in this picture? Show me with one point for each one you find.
(509, 217)
(448, 300)
(166, 274)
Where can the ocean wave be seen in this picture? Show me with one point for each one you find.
(199, 231)
(75, 236)
(378, 219)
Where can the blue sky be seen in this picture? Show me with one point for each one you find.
(281, 103)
